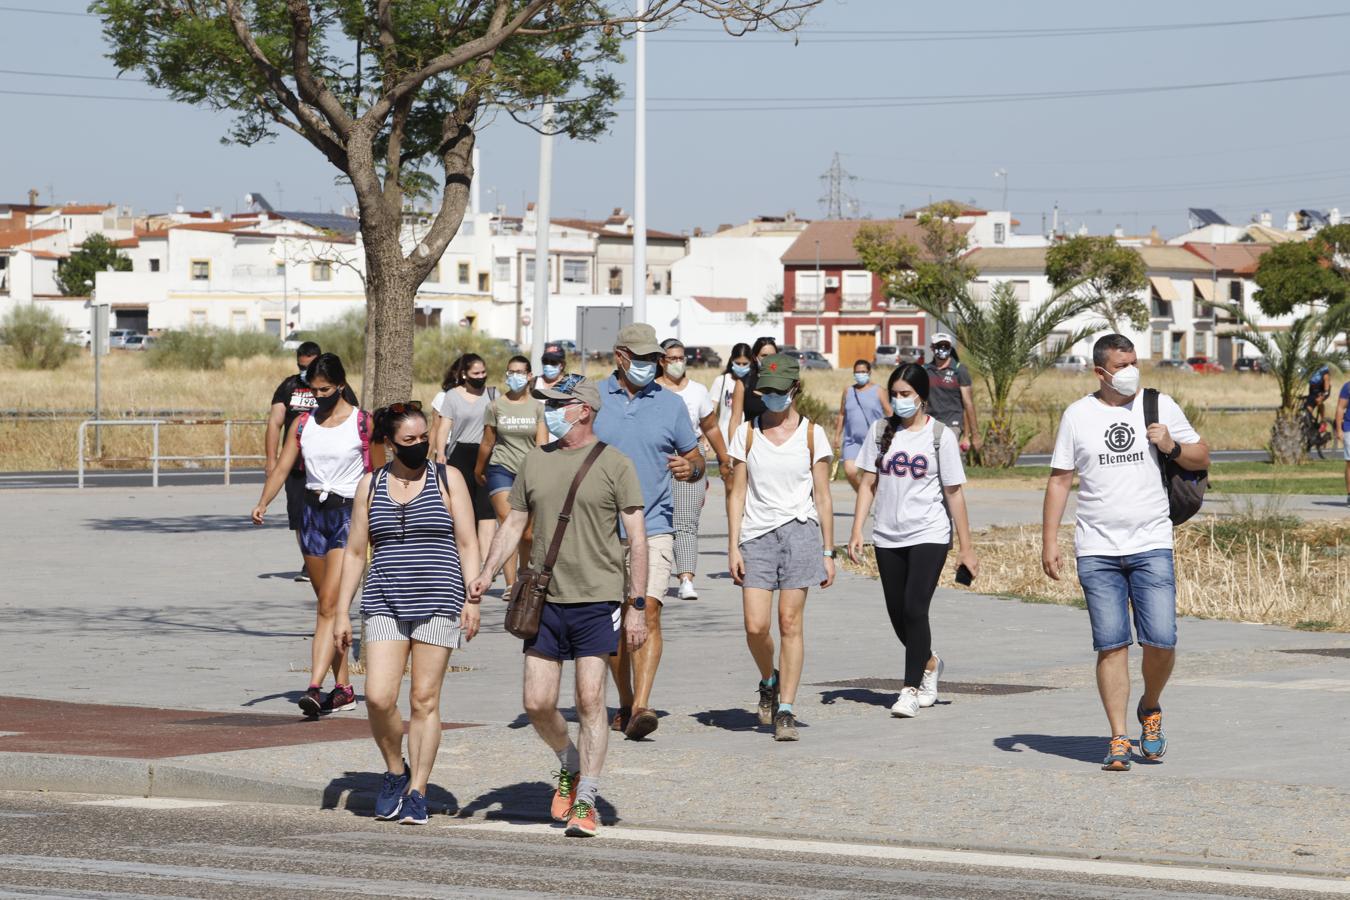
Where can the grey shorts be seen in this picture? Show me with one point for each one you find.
(439, 631)
(787, 558)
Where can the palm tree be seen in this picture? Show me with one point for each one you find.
(1005, 347)
(1292, 354)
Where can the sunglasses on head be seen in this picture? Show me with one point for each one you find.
(399, 409)
(568, 383)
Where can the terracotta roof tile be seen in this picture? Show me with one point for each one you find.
(223, 227)
(1031, 259)
(836, 240)
(85, 209)
(17, 237)
(722, 304)
(1240, 259)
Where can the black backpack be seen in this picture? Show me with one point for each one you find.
(1185, 489)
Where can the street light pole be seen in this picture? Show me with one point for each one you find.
(820, 301)
(542, 264)
(640, 172)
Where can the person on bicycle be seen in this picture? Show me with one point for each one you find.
(1319, 389)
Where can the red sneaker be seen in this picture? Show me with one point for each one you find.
(585, 822)
(565, 796)
(339, 698)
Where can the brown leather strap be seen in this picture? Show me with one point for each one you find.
(566, 515)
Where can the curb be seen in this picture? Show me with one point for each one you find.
(149, 778)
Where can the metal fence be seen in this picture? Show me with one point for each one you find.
(228, 457)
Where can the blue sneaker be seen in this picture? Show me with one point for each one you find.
(1118, 757)
(1152, 741)
(414, 809)
(390, 801)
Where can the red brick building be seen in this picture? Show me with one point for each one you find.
(831, 303)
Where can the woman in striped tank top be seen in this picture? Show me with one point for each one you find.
(419, 520)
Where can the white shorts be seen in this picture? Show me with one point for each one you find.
(660, 563)
(439, 631)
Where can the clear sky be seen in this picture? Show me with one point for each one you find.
(1130, 159)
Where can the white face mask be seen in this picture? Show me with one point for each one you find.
(1126, 381)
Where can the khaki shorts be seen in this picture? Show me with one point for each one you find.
(660, 563)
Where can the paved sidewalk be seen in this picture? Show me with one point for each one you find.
(169, 599)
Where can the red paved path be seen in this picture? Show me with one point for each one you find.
(135, 732)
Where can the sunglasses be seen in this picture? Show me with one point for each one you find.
(399, 409)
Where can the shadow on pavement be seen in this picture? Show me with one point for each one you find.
(526, 800)
(288, 696)
(730, 719)
(146, 622)
(367, 784)
(181, 524)
(858, 695)
(1082, 748)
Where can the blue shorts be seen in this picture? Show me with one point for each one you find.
(498, 478)
(1142, 582)
(574, 630)
(324, 529)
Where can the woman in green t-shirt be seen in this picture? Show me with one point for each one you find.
(512, 426)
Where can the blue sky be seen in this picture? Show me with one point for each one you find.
(1135, 160)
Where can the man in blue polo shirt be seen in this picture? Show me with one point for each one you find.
(649, 425)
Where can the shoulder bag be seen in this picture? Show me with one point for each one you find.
(530, 591)
(1185, 489)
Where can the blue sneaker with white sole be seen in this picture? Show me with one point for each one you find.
(1152, 740)
(390, 800)
(414, 809)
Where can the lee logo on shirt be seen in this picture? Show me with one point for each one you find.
(901, 465)
(1119, 439)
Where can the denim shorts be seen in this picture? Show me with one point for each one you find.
(1142, 582)
(576, 630)
(324, 529)
(787, 558)
(498, 478)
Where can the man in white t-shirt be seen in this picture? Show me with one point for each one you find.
(1123, 535)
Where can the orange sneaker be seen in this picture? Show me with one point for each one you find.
(564, 796)
(585, 821)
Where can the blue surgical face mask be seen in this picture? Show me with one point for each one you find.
(740, 370)
(777, 402)
(555, 421)
(641, 372)
(862, 378)
(904, 407)
(551, 372)
(516, 380)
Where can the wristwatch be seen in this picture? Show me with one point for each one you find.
(828, 554)
(1174, 452)
(639, 603)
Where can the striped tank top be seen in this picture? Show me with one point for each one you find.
(415, 571)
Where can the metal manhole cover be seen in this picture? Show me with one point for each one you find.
(1343, 652)
(948, 687)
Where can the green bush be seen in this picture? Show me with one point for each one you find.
(345, 336)
(207, 348)
(817, 411)
(37, 337)
(434, 349)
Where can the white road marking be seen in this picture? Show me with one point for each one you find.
(152, 803)
(947, 857)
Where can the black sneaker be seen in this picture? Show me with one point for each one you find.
(311, 704)
(784, 726)
(339, 698)
(768, 700)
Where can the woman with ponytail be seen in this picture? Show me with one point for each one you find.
(911, 464)
(418, 520)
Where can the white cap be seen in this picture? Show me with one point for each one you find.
(940, 337)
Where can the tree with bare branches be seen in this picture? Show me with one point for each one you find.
(393, 95)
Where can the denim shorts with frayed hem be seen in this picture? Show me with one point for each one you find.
(1144, 583)
(787, 558)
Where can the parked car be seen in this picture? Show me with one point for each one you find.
(511, 346)
(568, 347)
(1204, 365)
(702, 356)
(1071, 364)
(295, 339)
(1174, 364)
(80, 337)
(788, 348)
(117, 337)
(1258, 365)
(809, 359)
(139, 342)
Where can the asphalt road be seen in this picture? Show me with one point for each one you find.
(73, 846)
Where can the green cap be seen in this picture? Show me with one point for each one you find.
(639, 338)
(778, 372)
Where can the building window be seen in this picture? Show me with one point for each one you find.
(576, 271)
(529, 270)
(1235, 291)
(616, 280)
(483, 282)
(198, 317)
(1200, 342)
(154, 265)
(201, 270)
(810, 338)
(1022, 291)
(238, 319)
(810, 288)
(1161, 309)
(1000, 233)
(463, 273)
(501, 270)
(1156, 345)
(321, 270)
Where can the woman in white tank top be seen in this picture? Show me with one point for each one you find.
(333, 442)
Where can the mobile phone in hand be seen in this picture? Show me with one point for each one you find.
(963, 575)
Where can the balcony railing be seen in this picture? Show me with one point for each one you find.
(856, 303)
(809, 304)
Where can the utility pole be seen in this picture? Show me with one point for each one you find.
(640, 172)
(1003, 173)
(541, 228)
(836, 200)
(820, 296)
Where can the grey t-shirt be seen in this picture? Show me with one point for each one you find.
(465, 415)
(944, 393)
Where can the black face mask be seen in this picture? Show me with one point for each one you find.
(326, 404)
(414, 456)
(476, 383)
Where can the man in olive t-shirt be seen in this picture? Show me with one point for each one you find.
(581, 618)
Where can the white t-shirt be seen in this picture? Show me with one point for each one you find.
(778, 479)
(436, 403)
(723, 392)
(334, 459)
(697, 400)
(1122, 505)
(909, 508)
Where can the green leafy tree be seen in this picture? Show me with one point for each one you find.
(1008, 349)
(36, 336)
(97, 254)
(393, 95)
(1307, 274)
(1292, 353)
(1112, 275)
(927, 274)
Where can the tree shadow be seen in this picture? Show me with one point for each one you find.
(527, 801)
(288, 696)
(1079, 748)
(145, 621)
(731, 720)
(569, 714)
(361, 789)
(181, 524)
(857, 695)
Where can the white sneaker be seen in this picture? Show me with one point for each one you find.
(687, 591)
(928, 687)
(907, 707)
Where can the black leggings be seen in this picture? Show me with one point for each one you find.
(909, 575)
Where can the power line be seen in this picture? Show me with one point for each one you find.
(69, 75)
(86, 96)
(42, 12)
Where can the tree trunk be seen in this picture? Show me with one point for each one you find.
(389, 324)
(1001, 446)
(1286, 439)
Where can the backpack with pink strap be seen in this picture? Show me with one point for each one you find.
(363, 428)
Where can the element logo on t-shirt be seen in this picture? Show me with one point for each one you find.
(1119, 439)
(901, 464)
